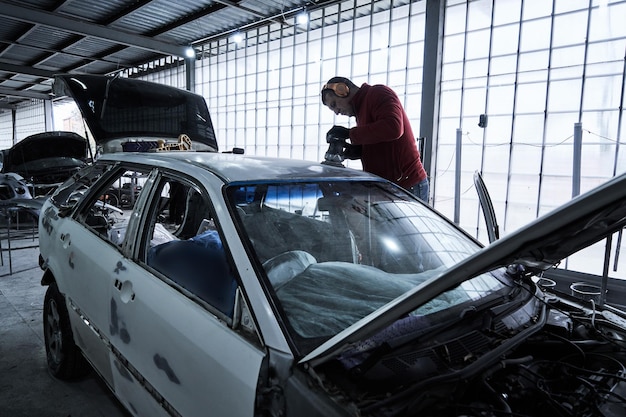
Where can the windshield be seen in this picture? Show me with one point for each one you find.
(334, 252)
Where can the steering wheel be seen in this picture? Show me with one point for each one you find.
(285, 266)
(102, 205)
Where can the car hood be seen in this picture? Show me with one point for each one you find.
(538, 246)
(62, 146)
(120, 109)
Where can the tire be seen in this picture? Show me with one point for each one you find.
(65, 361)
(114, 200)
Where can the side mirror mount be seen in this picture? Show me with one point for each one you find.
(238, 151)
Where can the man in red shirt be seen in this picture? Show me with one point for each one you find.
(382, 138)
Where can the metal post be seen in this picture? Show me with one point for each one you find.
(9, 241)
(605, 270)
(13, 126)
(578, 142)
(431, 77)
(48, 115)
(190, 74)
(457, 178)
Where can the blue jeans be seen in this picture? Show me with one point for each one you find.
(421, 190)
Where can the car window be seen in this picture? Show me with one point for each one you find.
(72, 191)
(110, 206)
(348, 223)
(334, 252)
(184, 244)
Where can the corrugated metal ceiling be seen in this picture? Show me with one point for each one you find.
(39, 38)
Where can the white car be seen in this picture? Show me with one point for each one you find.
(234, 285)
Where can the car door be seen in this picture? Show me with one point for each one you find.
(93, 257)
(173, 334)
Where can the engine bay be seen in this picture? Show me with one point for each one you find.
(569, 362)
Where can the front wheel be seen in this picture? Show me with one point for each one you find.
(65, 361)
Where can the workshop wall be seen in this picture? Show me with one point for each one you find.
(29, 119)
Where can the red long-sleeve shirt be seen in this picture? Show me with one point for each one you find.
(383, 129)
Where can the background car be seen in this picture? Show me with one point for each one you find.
(17, 201)
(47, 159)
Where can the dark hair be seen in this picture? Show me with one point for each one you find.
(341, 80)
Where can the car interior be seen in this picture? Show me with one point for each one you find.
(190, 253)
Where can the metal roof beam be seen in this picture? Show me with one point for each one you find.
(35, 16)
(242, 8)
(21, 69)
(9, 92)
(60, 51)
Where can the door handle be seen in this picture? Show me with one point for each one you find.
(126, 290)
(65, 238)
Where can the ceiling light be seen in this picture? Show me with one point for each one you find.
(302, 18)
(237, 37)
(190, 52)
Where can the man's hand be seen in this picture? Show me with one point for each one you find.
(352, 151)
(337, 133)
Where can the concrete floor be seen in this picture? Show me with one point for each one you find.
(26, 387)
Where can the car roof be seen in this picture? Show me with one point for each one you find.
(243, 168)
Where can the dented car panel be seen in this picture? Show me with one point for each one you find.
(179, 349)
(134, 328)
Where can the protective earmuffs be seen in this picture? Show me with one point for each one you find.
(341, 89)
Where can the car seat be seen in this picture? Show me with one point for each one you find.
(199, 266)
(195, 211)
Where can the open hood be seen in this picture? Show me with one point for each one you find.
(47, 159)
(119, 110)
(538, 246)
(56, 145)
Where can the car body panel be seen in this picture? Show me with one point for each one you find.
(17, 194)
(126, 297)
(233, 168)
(119, 110)
(69, 250)
(193, 360)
